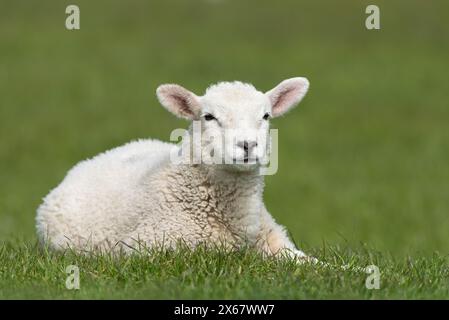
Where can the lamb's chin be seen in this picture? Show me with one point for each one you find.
(241, 167)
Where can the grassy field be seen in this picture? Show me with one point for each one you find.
(363, 166)
(215, 274)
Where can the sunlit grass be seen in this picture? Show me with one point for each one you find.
(28, 272)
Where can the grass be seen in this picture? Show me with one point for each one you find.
(216, 274)
(363, 159)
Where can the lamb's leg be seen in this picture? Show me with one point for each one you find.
(273, 239)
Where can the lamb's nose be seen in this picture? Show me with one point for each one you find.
(247, 145)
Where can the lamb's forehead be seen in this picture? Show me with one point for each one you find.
(234, 92)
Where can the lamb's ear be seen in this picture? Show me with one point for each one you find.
(179, 101)
(287, 94)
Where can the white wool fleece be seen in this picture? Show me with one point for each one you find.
(134, 194)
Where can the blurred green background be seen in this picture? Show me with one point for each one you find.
(364, 158)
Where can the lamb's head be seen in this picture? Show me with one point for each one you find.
(233, 118)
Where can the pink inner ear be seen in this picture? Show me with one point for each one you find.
(178, 100)
(284, 99)
(183, 103)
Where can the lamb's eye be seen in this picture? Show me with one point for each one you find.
(266, 116)
(209, 117)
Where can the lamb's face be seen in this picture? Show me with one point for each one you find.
(235, 125)
(232, 118)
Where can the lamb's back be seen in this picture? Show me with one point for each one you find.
(95, 200)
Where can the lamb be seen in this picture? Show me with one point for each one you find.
(137, 193)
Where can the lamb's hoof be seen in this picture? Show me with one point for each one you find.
(306, 260)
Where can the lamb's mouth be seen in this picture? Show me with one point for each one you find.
(245, 160)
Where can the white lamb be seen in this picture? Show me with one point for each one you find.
(137, 194)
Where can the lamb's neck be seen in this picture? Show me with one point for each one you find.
(227, 193)
(219, 179)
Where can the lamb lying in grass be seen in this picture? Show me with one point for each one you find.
(136, 193)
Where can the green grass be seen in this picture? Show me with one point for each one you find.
(216, 274)
(363, 159)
